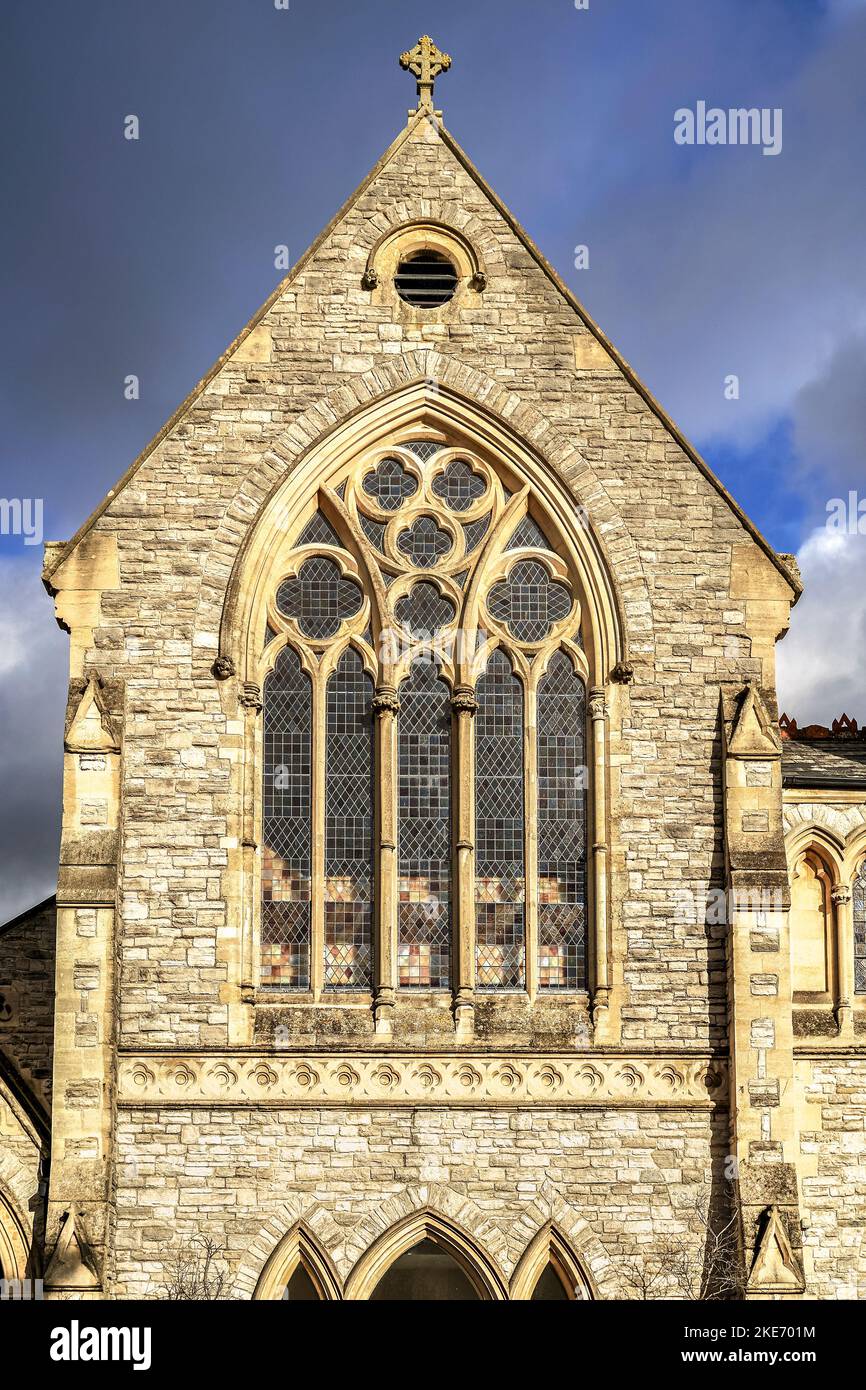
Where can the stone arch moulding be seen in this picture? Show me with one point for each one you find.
(405, 240)
(298, 1247)
(429, 402)
(549, 1246)
(426, 1225)
(820, 839)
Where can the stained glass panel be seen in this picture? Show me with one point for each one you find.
(424, 449)
(318, 531)
(425, 542)
(424, 610)
(500, 883)
(424, 752)
(860, 930)
(285, 936)
(529, 602)
(562, 827)
(458, 486)
(529, 536)
(319, 598)
(390, 484)
(349, 827)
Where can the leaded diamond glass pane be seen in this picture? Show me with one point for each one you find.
(424, 610)
(424, 752)
(319, 598)
(374, 531)
(500, 883)
(424, 449)
(458, 486)
(475, 533)
(285, 935)
(562, 827)
(860, 930)
(318, 531)
(529, 536)
(390, 484)
(425, 542)
(529, 602)
(349, 827)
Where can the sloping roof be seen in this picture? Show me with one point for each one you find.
(837, 763)
(57, 554)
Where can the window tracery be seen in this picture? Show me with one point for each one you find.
(424, 657)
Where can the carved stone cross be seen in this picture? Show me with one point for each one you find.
(426, 61)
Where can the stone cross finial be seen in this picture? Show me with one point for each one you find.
(426, 61)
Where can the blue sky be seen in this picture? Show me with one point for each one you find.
(147, 256)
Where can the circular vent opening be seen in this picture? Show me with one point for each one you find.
(426, 279)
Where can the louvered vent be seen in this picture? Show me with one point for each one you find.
(426, 280)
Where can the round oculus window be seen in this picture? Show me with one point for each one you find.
(426, 279)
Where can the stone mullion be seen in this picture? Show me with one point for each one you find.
(600, 972)
(317, 883)
(464, 705)
(386, 707)
(251, 703)
(530, 836)
(843, 903)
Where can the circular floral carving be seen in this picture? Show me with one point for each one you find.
(468, 1078)
(224, 1077)
(630, 1078)
(509, 1078)
(264, 1076)
(142, 1076)
(428, 1077)
(590, 1077)
(548, 1078)
(305, 1076)
(347, 1077)
(387, 1078)
(672, 1078)
(182, 1076)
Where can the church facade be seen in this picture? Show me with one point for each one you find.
(442, 910)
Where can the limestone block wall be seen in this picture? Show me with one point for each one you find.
(625, 1178)
(833, 1174)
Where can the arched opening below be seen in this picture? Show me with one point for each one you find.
(301, 1289)
(427, 1271)
(550, 1288)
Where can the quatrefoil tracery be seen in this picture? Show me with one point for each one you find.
(426, 515)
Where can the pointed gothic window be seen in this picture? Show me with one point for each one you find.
(860, 930)
(349, 827)
(286, 859)
(500, 874)
(424, 738)
(424, 928)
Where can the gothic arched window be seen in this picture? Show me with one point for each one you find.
(424, 736)
(860, 930)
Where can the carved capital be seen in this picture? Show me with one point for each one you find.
(251, 696)
(478, 282)
(370, 279)
(841, 893)
(463, 700)
(223, 668)
(597, 702)
(622, 673)
(386, 701)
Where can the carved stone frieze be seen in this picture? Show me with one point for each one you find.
(453, 1079)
